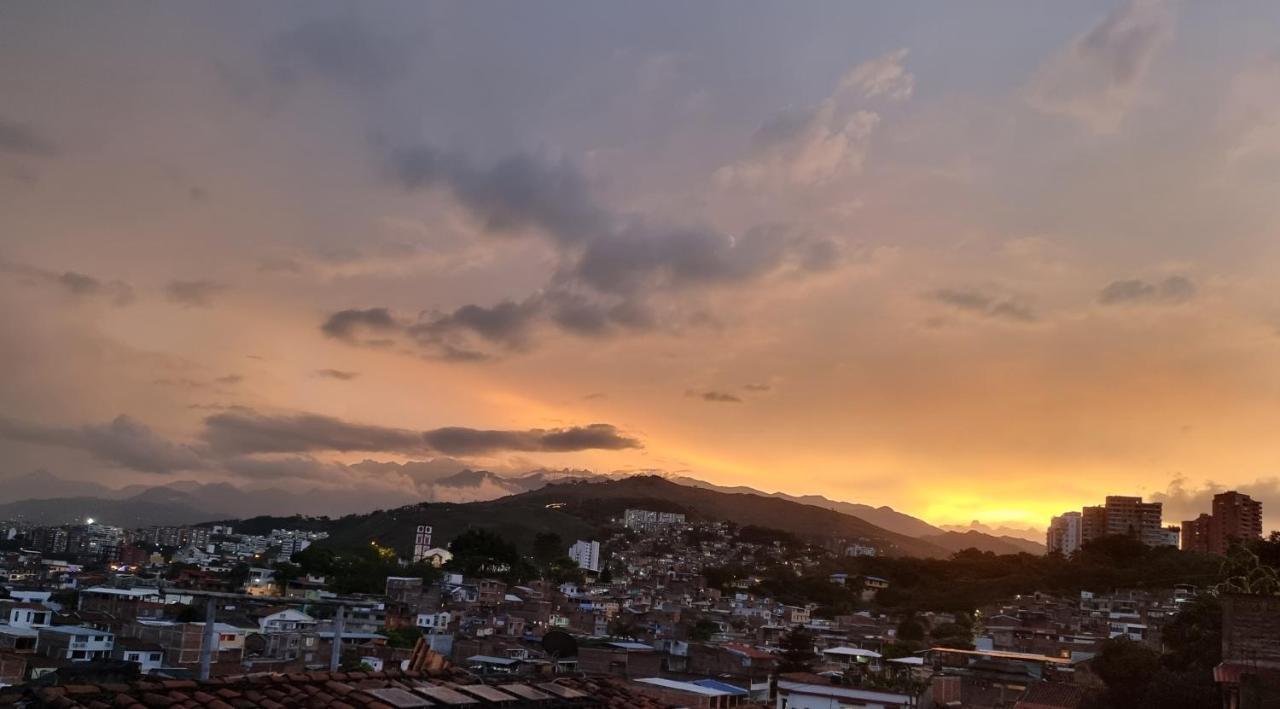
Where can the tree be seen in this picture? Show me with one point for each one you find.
(403, 636)
(703, 630)
(797, 651)
(910, 630)
(1126, 667)
(547, 547)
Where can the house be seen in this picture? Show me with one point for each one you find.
(28, 615)
(149, 656)
(803, 695)
(284, 619)
(435, 621)
(871, 585)
(851, 657)
(75, 642)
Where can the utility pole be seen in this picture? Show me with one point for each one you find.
(335, 653)
(210, 638)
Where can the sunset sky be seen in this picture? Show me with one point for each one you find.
(982, 260)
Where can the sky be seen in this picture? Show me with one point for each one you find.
(986, 260)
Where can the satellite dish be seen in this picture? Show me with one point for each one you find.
(558, 643)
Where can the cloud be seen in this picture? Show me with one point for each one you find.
(339, 374)
(1098, 77)
(1183, 502)
(984, 305)
(21, 139)
(1173, 290)
(246, 433)
(341, 50)
(611, 263)
(74, 283)
(243, 433)
(820, 143)
(229, 379)
(515, 193)
(718, 397)
(193, 294)
(347, 324)
(758, 386)
(123, 441)
(506, 325)
(470, 441)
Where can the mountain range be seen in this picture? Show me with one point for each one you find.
(44, 498)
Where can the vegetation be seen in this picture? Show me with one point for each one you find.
(364, 571)
(797, 651)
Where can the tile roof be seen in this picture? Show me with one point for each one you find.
(339, 690)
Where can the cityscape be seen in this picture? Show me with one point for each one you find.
(617, 355)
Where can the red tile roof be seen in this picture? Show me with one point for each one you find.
(340, 690)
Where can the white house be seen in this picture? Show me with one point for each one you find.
(75, 642)
(434, 621)
(284, 620)
(28, 615)
(149, 656)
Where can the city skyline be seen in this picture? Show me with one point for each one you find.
(983, 263)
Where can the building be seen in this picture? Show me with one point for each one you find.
(1093, 523)
(74, 642)
(421, 543)
(1064, 535)
(1236, 517)
(1195, 533)
(1124, 516)
(1131, 517)
(586, 554)
(648, 519)
(1171, 535)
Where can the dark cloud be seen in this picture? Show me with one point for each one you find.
(718, 397)
(342, 50)
(193, 294)
(246, 433)
(77, 284)
(1173, 290)
(985, 305)
(515, 193)
(21, 139)
(506, 325)
(347, 324)
(338, 374)
(1183, 502)
(611, 263)
(123, 441)
(471, 441)
(241, 433)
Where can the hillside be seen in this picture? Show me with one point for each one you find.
(131, 512)
(958, 541)
(884, 517)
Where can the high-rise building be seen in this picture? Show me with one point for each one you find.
(586, 554)
(1196, 534)
(1124, 516)
(1064, 535)
(1131, 517)
(1093, 523)
(1236, 517)
(421, 542)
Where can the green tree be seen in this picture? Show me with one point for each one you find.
(548, 547)
(797, 651)
(703, 630)
(1125, 667)
(910, 630)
